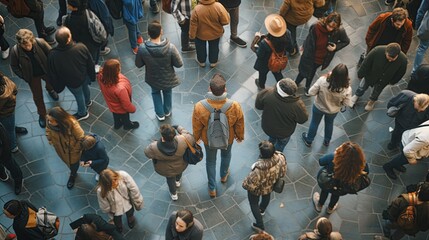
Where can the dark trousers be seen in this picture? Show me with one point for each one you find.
(10, 164)
(292, 29)
(201, 47)
(39, 24)
(171, 182)
(36, 90)
(99, 165)
(63, 7)
(4, 45)
(397, 134)
(184, 35)
(376, 91)
(117, 220)
(263, 77)
(398, 161)
(73, 168)
(257, 207)
(324, 195)
(310, 77)
(387, 228)
(122, 119)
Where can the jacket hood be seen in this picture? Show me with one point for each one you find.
(158, 50)
(266, 164)
(288, 99)
(206, 2)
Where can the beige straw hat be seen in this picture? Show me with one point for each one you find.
(275, 25)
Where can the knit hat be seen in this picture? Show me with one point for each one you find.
(275, 25)
(424, 192)
(288, 86)
(74, 3)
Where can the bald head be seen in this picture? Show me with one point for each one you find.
(63, 36)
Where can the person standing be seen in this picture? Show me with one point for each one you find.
(325, 38)
(132, 12)
(167, 155)
(207, 21)
(29, 61)
(424, 42)
(181, 11)
(183, 225)
(118, 193)
(270, 166)
(332, 92)
(7, 162)
(280, 40)
(390, 27)
(71, 65)
(37, 13)
(94, 227)
(323, 231)
(419, 81)
(282, 110)
(160, 57)
(94, 154)
(117, 92)
(65, 135)
(233, 8)
(296, 13)
(384, 65)
(4, 44)
(347, 164)
(216, 98)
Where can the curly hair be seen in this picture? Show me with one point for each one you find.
(349, 162)
(24, 35)
(105, 183)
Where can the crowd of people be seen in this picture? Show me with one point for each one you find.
(217, 121)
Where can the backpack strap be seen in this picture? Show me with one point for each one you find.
(411, 198)
(207, 105)
(270, 45)
(226, 106)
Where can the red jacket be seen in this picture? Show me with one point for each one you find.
(377, 27)
(118, 97)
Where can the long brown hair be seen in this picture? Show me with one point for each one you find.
(89, 232)
(332, 17)
(63, 118)
(338, 79)
(349, 162)
(110, 72)
(105, 183)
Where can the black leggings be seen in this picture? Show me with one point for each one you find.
(324, 196)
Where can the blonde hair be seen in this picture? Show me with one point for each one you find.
(24, 35)
(422, 101)
(105, 183)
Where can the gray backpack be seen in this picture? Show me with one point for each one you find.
(218, 127)
(46, 222)
(96, 27)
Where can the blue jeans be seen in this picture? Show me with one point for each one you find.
(315, 121)
(420, 54)
(225, 156)
(133, 33)
(9, 124)
(162, 107)
(82, 96)
(279, 143)
(201, 48)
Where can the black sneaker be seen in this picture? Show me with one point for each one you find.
(18, 187)
(257, 84)
(389, 172)
(54, 95)
(21, 130)
(257, 228)
(50, 30)
(80, 118)
(154, 9)
(49, 39)
(60, 20)
(304, 139)
(89, 104)
(401, 169)
(188, 49)
(70, 182)
(239, 42)
(132, 125)
(42, 122)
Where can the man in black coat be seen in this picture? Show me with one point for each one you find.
(6, 161)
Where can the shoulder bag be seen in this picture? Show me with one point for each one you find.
(193, 153)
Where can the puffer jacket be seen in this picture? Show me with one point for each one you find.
(66, 145)
(121, 199)
(264, 174)
(118, 96)
(200, 119)
(298, 12)
(160, 60)
(416, 143)
(207, 20)
(168, 158)
(21, 64)
(8, 98)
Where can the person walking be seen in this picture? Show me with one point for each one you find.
(118, 193)
(160, 58)
(348, 165)
(183, 225)
(325, 38)
(296, 13)
(277, 38)
(207, 21)
(413, 110)
(117, 92)
(7, 162)
(233, 8)
(4, 44)
(216, 98)
(29, 61)
(332, 92)
(384, 65)
(167, 155)
(132, 12)
(94, 154)
(423, 40)
(259, 184)
(282, 110)
(65, 135)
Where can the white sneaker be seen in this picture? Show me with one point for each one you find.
(97, 177)
(160, 118)
(5, 53)
(178, 183)
(105, 51)
(317, 206)
(330, 211)
(97, 68)
(354, 100)
(174, 197)
(15, 149)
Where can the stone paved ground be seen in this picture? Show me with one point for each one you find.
(228, 216)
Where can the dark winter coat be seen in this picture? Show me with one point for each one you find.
(21, 63)
(230, 3)
(280, 114)
(306, 63)
(376, 69)
(21, 225)
(77, 22)
(264, 52)
(160, 60)
(419, 81)
(407, 117)
(100, 9)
